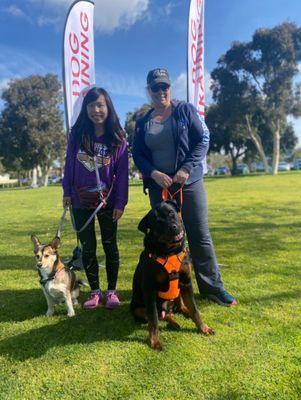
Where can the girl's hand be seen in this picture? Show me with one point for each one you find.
(181, 177)
(161, 179)
(66, 201)
(117, 214)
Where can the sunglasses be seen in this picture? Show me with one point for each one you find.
(163, 86)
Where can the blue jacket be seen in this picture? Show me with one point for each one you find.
(191, 139)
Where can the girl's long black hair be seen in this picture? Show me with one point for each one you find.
(84, 128)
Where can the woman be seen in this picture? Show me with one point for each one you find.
(169, 148)
(97, 158)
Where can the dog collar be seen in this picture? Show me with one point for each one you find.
(52, 275)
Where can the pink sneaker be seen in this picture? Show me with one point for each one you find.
(93, 300)
(112, 300)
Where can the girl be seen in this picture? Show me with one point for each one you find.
(97, 142)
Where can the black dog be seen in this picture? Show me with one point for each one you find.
(162, 280)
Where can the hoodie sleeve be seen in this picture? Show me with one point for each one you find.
(198, 135)
(69, 165)
(121, 177)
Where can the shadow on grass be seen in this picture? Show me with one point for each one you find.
(17, 262)
(266, 237)
(247, 237)
(85, 328)
(272, 298)
(22, 305)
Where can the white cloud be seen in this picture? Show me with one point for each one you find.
(179, 87)
(15, 11)
(3, 84)
(109, 14)
(43, 21)
(168, 8)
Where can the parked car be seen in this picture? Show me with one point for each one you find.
(284, 166)
(24, 180)
(242, 169)
(222, 171)
(54, 179)
(258, 167)
(297, 164)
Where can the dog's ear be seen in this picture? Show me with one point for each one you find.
(144, 224)
(35, 241)
(55, 244)
(174, 204)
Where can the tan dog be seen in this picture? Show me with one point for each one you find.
(59, 283)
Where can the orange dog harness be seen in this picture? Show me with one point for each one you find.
(172, 265)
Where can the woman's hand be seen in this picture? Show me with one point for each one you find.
(181, 177)
(117, 214)
(66, 201)
(161, 179)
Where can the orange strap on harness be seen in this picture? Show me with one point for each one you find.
(172, 265)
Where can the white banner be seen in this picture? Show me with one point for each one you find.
(78, 57)
(195, 56)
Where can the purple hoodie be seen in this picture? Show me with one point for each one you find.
(80, 171)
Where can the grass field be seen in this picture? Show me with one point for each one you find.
(256, 353)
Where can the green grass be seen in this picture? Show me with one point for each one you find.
(255, 223)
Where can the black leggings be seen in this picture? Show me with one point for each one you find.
(108, 230)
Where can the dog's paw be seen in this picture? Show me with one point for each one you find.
(71, 313)
(49, 313)
(155, 345)
(206, 330)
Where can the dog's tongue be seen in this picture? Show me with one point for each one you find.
(179, 236)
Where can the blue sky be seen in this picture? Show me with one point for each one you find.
(131, 37)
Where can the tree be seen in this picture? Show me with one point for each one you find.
(31, 124)
(255, 81)
(226, 135)
(130, 122)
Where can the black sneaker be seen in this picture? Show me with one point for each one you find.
(223, 298)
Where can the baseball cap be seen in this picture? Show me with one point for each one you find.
(158, 75)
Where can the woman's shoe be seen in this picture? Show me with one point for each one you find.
(93, 300)
(223, 298)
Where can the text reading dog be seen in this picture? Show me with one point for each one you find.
(162, 280)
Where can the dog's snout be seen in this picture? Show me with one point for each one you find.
(39, 264)
(174, 228)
